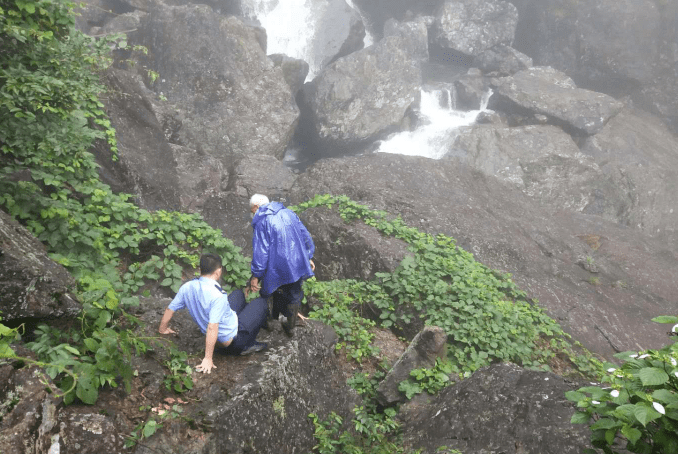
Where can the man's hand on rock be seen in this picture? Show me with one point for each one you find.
(206, 366)
(167, 330)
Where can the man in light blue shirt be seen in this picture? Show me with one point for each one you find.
(226, 320)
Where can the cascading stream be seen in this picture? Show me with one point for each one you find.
(440, 122)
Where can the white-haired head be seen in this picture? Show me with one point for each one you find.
(258, 200)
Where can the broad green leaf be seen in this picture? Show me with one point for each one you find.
(606, 423)
(580, 418)
(652, 376)
(610, 435)
(644, 413)
(631, 433)
(666, 396)
(149, 428)
(86, 391)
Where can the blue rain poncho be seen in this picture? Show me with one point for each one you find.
(281, 247)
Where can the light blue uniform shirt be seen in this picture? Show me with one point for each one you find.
(206, 304)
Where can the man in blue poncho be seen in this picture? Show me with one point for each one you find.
(282, 252)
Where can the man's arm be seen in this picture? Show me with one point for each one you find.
(164, 328)
(210, 341)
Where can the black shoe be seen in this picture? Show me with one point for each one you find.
(254, 348)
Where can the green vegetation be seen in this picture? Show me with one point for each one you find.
(638, 409)
(485, 315)
(427, 380)
(50, 116)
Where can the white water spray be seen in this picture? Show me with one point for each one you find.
(432, 140)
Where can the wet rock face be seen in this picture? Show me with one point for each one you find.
(146, 165)
(541, 246)
(231, 98)
(638, 154)
(427, 346)
(377, 12)
(616, 47)
(546, 91)
(500, 408)
(545, 164)
(350, 251)
(472, 27)
(362, 96)
(31, 284)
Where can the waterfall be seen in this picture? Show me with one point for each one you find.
(289, 28)
(440, 122)
(292, 28)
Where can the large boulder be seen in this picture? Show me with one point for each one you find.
(546, 91)
(639, 155)
(472, 27)
(32, 285)
(230, 99)
(616, 47)
(502, 60)
(361, 97)
(546, 249)
(426, 347)
(350, 250)
(145, 164)
(500, 408)
(414, 34)
(544, 163)
(294, 70)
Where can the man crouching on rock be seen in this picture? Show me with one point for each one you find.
(226, 320)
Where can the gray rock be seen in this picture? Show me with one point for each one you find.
(639, 155)
(414, 33)
(294, 70)
(261, 174)
(233, 100)
(470, 92)
(543, 162)
(199, 177)
(31, 284)
(377, 12)
(124, 23)
(502, 60)
(500, 408)
(273, 398)
(145, 166)
(425, 348)
(350, 250)
(544, 90)
(28, 411)
(587, 40)
(491, 117)
(539, 245)
(361, 97)
(472, 27)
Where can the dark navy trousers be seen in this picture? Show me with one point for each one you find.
(251, 317)
(285, 296)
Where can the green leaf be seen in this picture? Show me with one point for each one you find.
(631, 433)
(665, 319)
(150, 427)
(652, 376)
(580, 418)
(644, 413)
(167, 282)
(86, 391)
(606, 423)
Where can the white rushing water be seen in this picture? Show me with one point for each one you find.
(440, 123)
(292, 27)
